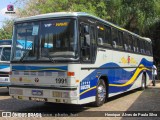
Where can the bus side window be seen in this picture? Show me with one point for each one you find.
(114, 37)
(120, 35)
(85, 42)
(142, 51)
(130, 43)
(148, 48)
(138, 45)
(117, 38)
(125, 40)
(107, 40)
(101, 30)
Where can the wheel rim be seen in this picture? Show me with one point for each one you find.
(101, 93)
(143, 85)
(143, 82)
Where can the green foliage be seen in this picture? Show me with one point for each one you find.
(134, 15)
(6, 30)
(94, 7)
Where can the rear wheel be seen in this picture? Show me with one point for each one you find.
(143, 84)
(100, 93)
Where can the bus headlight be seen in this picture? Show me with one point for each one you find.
(64, 94)
(16, 91)
(69, 94)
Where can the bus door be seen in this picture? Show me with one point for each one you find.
(88, 43)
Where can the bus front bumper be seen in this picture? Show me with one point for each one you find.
(45, 94)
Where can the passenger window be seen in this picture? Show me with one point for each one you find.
(134, 44)
(101, 34)
(147, 48)
(142, 45)
(116, 39)
(128, 42)
(107, 40)
(120, 35)
(138, 45)
(150, 46)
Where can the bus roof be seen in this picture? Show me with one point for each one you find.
(74, 14)
(52, 15)
(147, 39)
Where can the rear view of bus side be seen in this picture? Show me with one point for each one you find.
(76, 58)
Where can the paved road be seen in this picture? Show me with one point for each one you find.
(136, 100)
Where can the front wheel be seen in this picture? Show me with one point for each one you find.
(100, 93)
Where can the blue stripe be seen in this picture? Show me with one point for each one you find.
(115, 76)
(38, 68)
(3, 66)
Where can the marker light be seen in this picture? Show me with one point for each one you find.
(70, 74)
(10, 72)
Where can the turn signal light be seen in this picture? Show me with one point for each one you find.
(10, 73)
(70, 73)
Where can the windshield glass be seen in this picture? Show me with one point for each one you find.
(5, 53)
(45, 41)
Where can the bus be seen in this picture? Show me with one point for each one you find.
(5, 52)
(87, 59)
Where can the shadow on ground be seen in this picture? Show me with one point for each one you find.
(148, 102)
(4, 91)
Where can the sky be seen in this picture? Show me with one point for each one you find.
(3, 9)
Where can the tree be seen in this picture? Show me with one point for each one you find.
(134, 15)
(6, 30)
(35, 7)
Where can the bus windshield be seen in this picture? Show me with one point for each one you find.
(45, 40)
(5, 53)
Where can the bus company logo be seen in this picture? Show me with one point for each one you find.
(10, 9)
(128, 60)
(85, 85)
(36, 80)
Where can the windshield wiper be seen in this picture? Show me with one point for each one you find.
(24, 55)
(47, 54)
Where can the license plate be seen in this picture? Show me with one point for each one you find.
(37, 92)
(57, 94)
(38, 99)
(4, 79)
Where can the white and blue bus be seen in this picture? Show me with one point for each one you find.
(5, 52)
(77, 58)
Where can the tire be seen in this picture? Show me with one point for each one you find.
(100, 93)
(154, 83)
(143, 84)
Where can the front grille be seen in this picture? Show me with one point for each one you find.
(4, 74)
